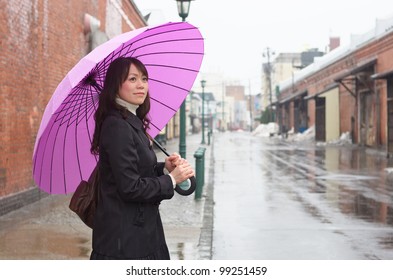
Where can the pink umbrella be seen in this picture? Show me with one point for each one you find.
(172, 54)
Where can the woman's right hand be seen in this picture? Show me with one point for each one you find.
(182, 171)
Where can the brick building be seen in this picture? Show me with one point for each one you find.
(348, 90)
(40, 42)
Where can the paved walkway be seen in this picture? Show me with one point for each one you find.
(183, 216)
(47, 229)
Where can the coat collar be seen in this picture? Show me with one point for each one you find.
(134, 121)
(130, 118)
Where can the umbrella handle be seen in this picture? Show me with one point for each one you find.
(180, 189)
(188, 189)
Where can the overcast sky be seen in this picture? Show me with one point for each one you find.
(237, 33)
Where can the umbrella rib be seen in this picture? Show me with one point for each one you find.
(88, 131)
(76, 139)
(87, 117)
(165, 83)
(129, 49)
(167, 41)
(77, 153)
(165, 32)
(70, 99)
(75, 98)
(89, 106)
(155, 126)
(52, 156)
(179, 52)
(173, 67)
(158, 42)
(75, 102)
(163, 104)
(64, 171)
(43, 154)
(69, 110)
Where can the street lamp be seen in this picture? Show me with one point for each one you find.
(203, 83)
(183, 8)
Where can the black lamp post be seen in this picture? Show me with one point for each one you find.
(183, 8)
(203, 83)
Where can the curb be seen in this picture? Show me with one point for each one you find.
(205, 245)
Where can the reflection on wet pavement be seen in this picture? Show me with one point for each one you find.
(352, 180)
(46, 229)
(346, 190)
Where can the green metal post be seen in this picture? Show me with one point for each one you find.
(182, 144)
(182, 136)
(199, 171)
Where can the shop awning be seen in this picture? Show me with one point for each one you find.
(292, 96)
(326, 89)
(363, 65)
(383, 75)
(357, 69)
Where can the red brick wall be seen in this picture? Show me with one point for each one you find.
(315, 83)
(40, 42)
(129, 9)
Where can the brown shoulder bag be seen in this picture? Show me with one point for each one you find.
(85, 198)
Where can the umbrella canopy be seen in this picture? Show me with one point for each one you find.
(172, 54)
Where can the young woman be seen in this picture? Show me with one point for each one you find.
(132, 184)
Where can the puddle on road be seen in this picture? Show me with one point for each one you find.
(361, 197)
(353, 181)
(344, 177)
(32, 242)
(188, 248)
(369, 209)
(44, 230)
(387, 242)
(357, 183)
(182, 251)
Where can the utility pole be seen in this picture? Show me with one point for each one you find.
(250, 100)
(203, 84)
(223, 107)
(268, 72)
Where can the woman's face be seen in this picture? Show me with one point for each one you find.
(134, 88)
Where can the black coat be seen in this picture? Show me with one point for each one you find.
(132, 184)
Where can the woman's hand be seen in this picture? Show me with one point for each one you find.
(170, 162)
(182, 171)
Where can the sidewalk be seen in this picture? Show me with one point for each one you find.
(47, 229)
(187, 221)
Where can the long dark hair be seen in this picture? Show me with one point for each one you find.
(117, 73)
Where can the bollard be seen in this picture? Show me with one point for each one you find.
(199, 171)
(208, 137)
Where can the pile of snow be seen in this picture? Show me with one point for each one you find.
(266, 130)
(272, 129)
(389, 170)
(307, 135)
(344, 139)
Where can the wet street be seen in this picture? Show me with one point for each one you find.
(48, 229)
(280, 200)
(272, 199)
